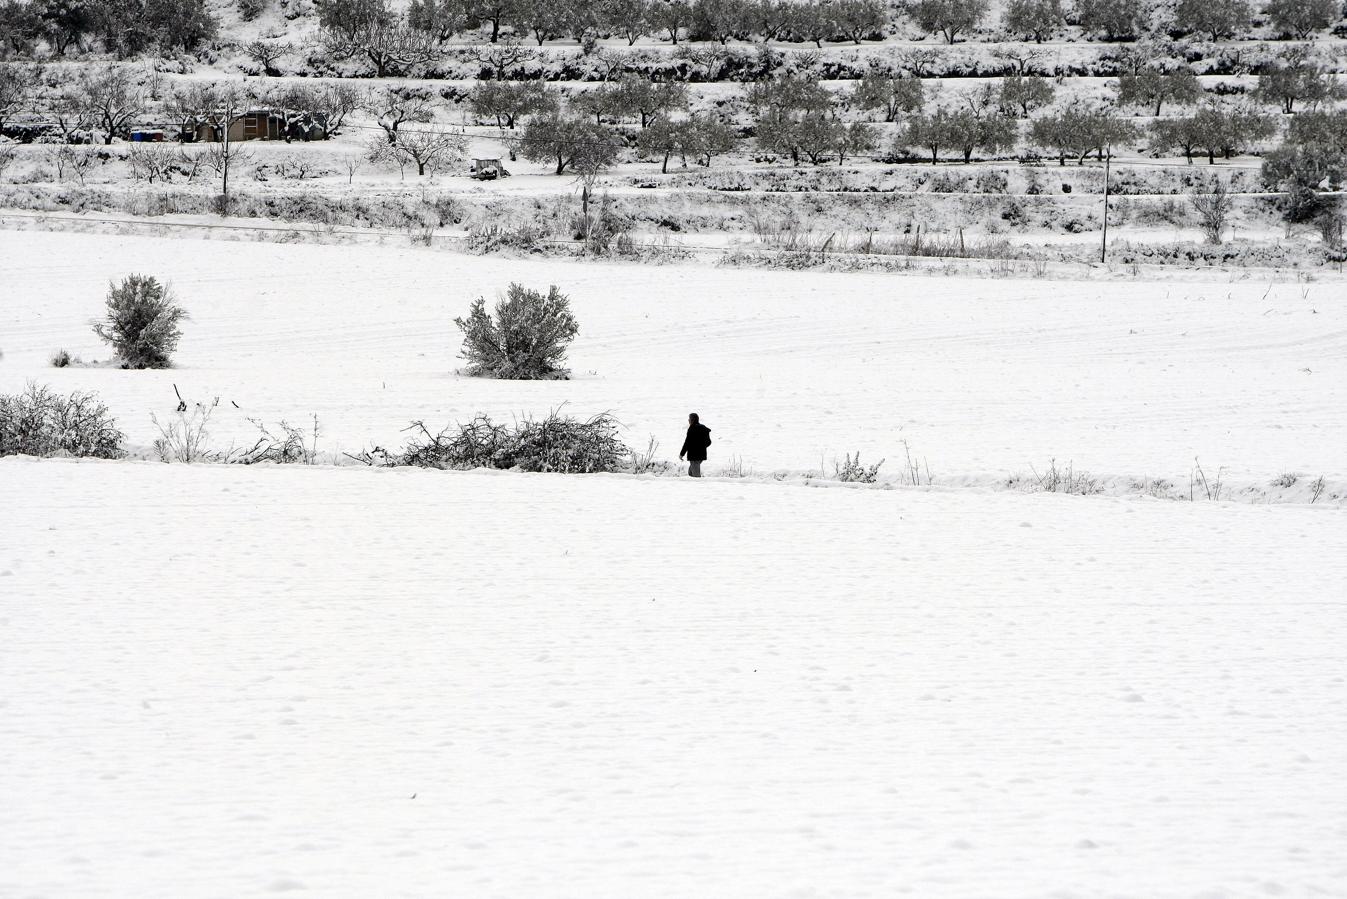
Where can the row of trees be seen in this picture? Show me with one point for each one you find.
(124, 27)
(798, 119)
(805, 21)
(107, 100)
(1116, 20)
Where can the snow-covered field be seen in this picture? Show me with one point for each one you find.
(982, 379)
(229, 682)
(218, 681)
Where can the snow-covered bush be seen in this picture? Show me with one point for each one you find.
(556, 443)
(142, 322)
(491, 237)
(852, 471)
(40, 422)
(526, 339)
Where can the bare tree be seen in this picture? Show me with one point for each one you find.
(18, 84)
(266, 54)
(352, 164)
(190, 163)
(71, 160)
(393, 108)
(390, 43)
(114, 95)
(71, 113)
(1213, 205)
(428, 148)
(1021, 58)
(152, 162)
(382, 152)
(326, 104)
(500, 56)
(208, 111)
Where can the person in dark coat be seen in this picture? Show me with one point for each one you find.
(694, 447)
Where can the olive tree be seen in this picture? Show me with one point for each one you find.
(1038, 19)
(1116, 20)
(948, 17)
(1302, 17)
(525, 340)
(1218, 18)
(1151, 87)
(893, 95)
(142, 322)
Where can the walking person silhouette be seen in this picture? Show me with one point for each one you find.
(694, 446)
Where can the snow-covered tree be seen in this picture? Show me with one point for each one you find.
(1151, 87)
(1037, 19)
(948, 17)
(893, 95)
(1219, 19)
(1302, 17)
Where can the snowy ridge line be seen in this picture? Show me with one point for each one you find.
(1057, 267)
(1330, 494)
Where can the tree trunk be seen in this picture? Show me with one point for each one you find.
(664, 169)
(584, 209)
(420, 167)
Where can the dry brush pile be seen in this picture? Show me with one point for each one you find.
(555, 443)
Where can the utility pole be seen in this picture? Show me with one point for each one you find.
(224, 169)
(1108, 158)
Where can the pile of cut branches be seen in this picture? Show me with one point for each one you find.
(556, 443)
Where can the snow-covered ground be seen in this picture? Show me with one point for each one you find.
(982, 378)
(219, 681)
(232, 682)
